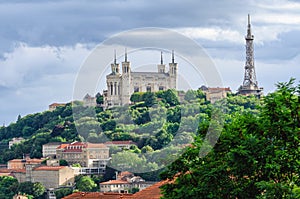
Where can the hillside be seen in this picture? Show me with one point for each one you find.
(160, 123)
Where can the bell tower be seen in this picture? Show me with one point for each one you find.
(173, 72)
(250, 85)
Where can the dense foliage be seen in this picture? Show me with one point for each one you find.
(256, 156)
(9, 186)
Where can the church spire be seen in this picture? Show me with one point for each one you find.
(173, 61)
(115, 57)
(161, 58)
(125, 54)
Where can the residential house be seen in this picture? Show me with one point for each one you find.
(151, 192)
(53, 106)
(125, 182)
(215, 94)
(21, 163)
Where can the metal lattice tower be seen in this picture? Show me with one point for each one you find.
(250, 85)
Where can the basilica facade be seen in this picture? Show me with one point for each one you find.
(122, 84)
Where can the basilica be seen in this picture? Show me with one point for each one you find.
(122, 84)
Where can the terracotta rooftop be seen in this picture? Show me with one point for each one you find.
(97, 195)
(62, 146)
(114, 182)
(57, 104)
(49, 168)
(27, 160)
(13, 170)
(152, 192)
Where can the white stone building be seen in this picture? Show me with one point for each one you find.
(120, 86)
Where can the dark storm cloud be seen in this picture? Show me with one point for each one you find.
(68, 22)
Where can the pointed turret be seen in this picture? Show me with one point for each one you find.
(161, 67)
(115, 68)
(173, 72)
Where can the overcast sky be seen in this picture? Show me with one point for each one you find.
(44, 43)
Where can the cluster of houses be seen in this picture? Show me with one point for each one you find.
(92, 158)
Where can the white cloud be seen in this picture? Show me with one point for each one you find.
(212, 33)
(27, 65)
(33, 77)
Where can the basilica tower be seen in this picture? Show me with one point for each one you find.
(250, 85)
(173, 72)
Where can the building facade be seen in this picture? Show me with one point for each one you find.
(86, 154)
(49, 149)
(121, 85)
(214, 94)
(21, 163)
(125, 182)
(50, 177)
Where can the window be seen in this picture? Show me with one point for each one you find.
(161, 88)
(148, 89)
(136, 89)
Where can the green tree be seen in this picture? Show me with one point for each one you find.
(38, 190)
(8, 187)
(62, 192)
(149, 98)
(256, 156)
(190, 95)
(85, 183)
(63, 163)
(136, 97)
(170, 97)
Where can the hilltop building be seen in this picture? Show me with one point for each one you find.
(250, 84)
(53, 106)
(214, 94)
(120, 86)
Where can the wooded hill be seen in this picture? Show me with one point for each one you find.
(160, 123)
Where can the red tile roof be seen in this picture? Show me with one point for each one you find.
(152, 192)
(97, 195)
(56, 104)
(114, 182)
